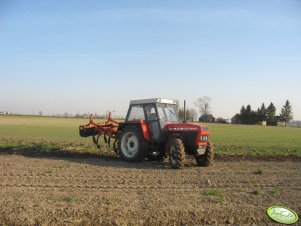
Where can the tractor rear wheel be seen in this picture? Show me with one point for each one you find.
(131, 144)
(207, 158)
(176, 151)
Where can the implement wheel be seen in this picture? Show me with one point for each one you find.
(176, 151)
(207, 158)
(130, 144)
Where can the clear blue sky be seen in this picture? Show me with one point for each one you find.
(92, 56)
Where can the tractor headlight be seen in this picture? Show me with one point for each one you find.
(204, 138)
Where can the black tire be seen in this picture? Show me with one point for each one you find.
(207, 158)
(176, 151)
(131, 144)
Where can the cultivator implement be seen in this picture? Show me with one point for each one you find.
(108, 129)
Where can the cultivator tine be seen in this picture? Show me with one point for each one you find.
(105, 139)
(109, 142)
(96, 141)
(97, 144)
(115, 146)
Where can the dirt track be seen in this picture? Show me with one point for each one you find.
(84, 191)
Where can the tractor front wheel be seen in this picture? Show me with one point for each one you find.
(130, 144)
(207, 158)
(176, 151)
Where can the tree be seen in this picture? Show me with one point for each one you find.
(203, 105)
(262, 113)
(286, 114)
(242, 110)
(187, 114)
(242, 114)
(181, 114)
(271, 114)
(191, 114)
(248, 116)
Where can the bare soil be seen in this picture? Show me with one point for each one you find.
(108, 191)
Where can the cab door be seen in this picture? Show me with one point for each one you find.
(152, 121)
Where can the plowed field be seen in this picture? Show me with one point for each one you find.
(93, 191)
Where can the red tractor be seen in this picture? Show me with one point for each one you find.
(152, 130)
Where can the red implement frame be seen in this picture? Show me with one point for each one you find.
(108, 129)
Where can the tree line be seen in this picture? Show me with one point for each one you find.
(268, 114)
(203, 106)
(191, 114)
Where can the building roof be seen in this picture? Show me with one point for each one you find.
(206, 116)
(153, 100)
(235, 116)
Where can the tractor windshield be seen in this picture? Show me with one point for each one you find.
(167, 113)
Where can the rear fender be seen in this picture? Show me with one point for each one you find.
(139, 123)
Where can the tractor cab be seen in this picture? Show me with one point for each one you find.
(155, 113)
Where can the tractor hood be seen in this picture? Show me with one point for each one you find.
(187, 127)
(192, 135)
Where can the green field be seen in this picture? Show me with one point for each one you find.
(61, 134)
(258, 140)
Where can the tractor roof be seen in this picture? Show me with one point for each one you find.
(153, 100)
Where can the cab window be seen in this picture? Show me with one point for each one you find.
(150, 112)
(136, 113)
